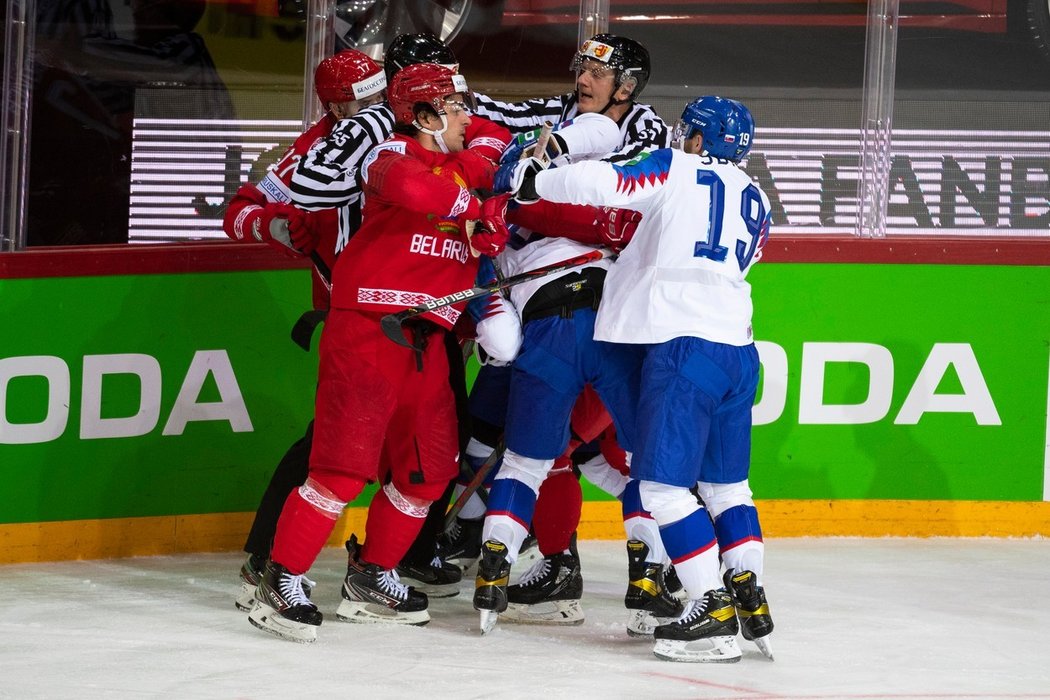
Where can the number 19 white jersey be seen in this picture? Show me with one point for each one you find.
(703, 226)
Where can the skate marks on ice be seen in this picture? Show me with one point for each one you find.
(855, 618)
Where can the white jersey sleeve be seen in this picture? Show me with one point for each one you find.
(586, 137)
(684, 273)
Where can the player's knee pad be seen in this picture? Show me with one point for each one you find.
(666, 503)
(413, 499)
(718, 498)
(498, 330)
(527, 470)
(322, 498)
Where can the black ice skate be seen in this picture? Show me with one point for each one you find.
(436, 578)
(490, 586)
(529, 552)
(548, 593)
(282, 608)
(673, 584)
(751, 608)
(705, 633)
(648, 593)
(460, 543)
(373, 594)
(251, 574)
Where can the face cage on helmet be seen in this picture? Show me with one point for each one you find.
(445, 106)
(682, 132)
(599, 72)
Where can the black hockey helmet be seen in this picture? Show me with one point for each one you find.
(423, 47)
(626, 56)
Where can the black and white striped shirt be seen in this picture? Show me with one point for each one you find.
(641, 128)
(326, 177)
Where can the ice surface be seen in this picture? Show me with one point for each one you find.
(855, 618)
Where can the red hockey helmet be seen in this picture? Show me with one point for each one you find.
(348, 75)
(426, 82)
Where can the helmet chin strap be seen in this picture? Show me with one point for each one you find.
(613, 102)
(436, 134)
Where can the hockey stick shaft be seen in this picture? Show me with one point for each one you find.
(475, 483)
(540, 149)
(279, 232)
(391, 323)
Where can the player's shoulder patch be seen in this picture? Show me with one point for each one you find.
(646, 169)
(392, 145)
(275, 190)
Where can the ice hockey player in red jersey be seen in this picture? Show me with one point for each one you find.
(347, 84)
(384, 412)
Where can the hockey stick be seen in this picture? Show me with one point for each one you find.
(280, 233)
(391, 323)
(541, 144)
(475, 483)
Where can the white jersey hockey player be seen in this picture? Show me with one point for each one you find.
(679, 294)
(558, 355)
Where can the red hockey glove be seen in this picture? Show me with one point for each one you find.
(491, 234)
(616, 227)
(272, 218)
(304, 228)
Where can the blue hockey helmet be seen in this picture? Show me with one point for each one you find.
(727, 126)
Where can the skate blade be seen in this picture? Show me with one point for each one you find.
(266, 618)
(559, 612)
(375, 614)
(764, 646)
(642, 623)
(713, 650)
(488, 620)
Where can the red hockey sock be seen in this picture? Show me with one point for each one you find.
(302, 531)
(388, 532)
(557, 512)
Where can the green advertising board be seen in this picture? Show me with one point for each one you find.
(170, 394)
(901, 381)
(149, 394)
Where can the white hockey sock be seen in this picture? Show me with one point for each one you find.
(505, 529)
(699, 573)
(646, 530)
(746, 556)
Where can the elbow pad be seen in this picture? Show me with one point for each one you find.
(587, 136)
(499, 331)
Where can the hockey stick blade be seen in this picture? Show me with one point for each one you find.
(391, 323)
(391, 326)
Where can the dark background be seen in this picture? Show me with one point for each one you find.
(778, 57)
